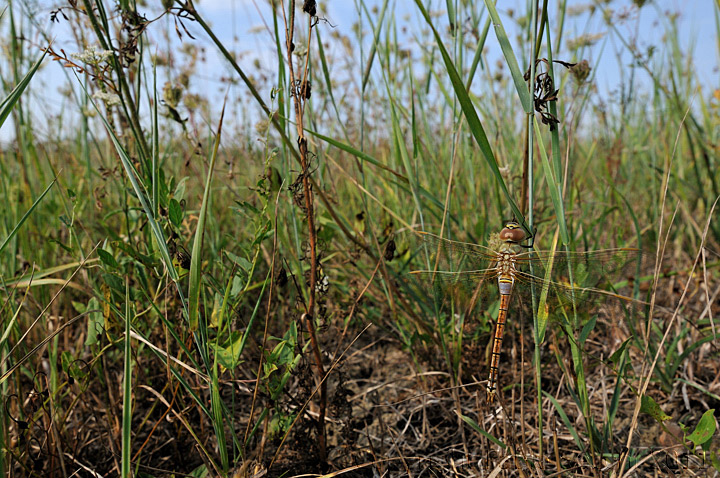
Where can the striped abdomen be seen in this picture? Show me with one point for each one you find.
(505, 283)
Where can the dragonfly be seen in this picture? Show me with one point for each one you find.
(565, 278)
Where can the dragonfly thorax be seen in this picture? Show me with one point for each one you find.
(506, 260)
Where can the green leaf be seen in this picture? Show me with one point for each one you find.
(617, 355)
(247, 208)
(96, 322)
(216, 314)
(114, 282)
(241, 262)
(715, 460)
(238, 285)
(175, 212)
(107, 259)
(228, 355)
(589, 326)
(650, 406)
(200, 472)
(179, 193)
(704, 429)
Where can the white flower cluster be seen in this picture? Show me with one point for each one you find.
(110, 99)
(92, 55)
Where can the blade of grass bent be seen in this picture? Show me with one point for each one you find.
(357, 153)
(471, 115)
(4, 359)
(42, 344)
(474, 425)
(566, 421)
(15, 315)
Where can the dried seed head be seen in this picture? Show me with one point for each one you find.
(310, 7)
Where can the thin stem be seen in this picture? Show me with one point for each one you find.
(298, 93)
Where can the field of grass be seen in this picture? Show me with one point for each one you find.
(224, 290)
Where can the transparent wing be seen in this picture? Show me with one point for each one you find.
(452, 267)
(587, 268)
(577, 277)
(460, 268)
(464, 255)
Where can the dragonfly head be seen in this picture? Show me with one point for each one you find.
(512, 233)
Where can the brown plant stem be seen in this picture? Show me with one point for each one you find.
(298, 94)
(353, 236)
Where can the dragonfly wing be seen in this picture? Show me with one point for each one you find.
(445, 281)
(578, 277)
(579, 269)
(453, 256)
(455, 270)
(584, 269)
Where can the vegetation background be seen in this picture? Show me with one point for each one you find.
(194, 287)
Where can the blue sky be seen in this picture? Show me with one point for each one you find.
(696, 25)
(240, 25)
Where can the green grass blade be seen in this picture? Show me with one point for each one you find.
(510, 59)
(471, 115)
(141, 193)
(196, 254)
(218, 421)
(357, 153)
(473, 424)
(9, 103)
(155, 174)
(554, 186)
(566, 421)
(374, 44)
(127, 390)
(25, 216)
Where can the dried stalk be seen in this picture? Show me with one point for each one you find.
(300, 93)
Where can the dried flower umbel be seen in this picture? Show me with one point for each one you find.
(93, 55)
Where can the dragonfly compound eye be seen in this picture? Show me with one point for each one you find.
(512, 234)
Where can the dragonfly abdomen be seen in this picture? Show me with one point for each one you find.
(505, 284)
